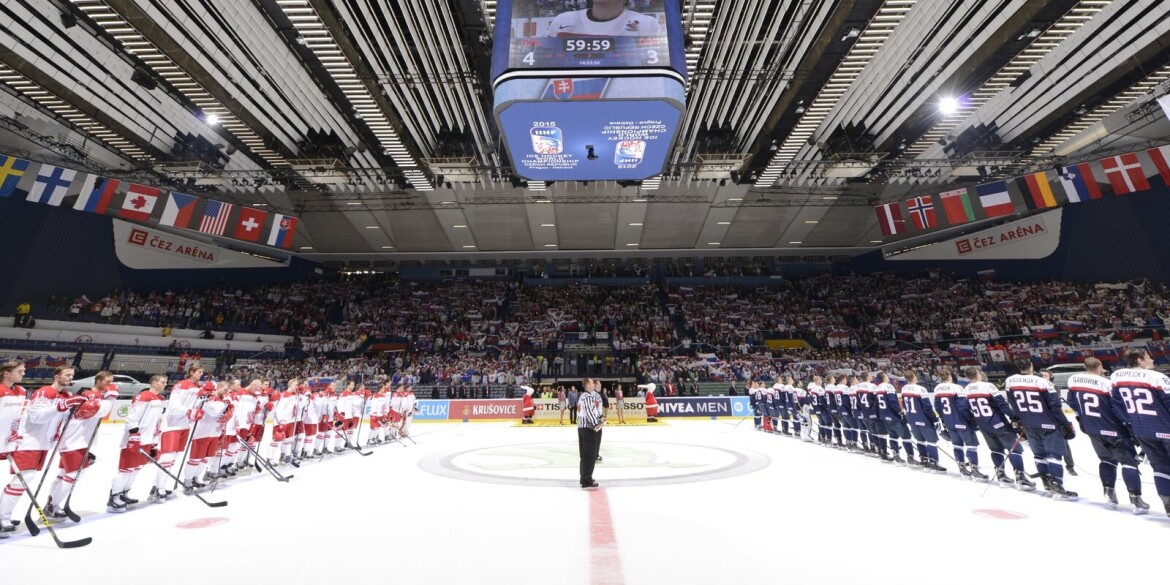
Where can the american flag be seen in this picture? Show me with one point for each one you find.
(215, 217)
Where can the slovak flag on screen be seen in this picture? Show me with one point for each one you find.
(283, 229)
(591, 88)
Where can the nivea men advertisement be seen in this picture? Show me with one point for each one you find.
(589, 128)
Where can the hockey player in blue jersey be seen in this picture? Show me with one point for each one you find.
(770, 396)
(1040, 415)
(950, 401)
(836, 393)
(1144, 395)
(756, 402)
(848, 404)
(798, 409)
(994, 417)
(780, 395)
(1103, 420)
(894, 420)
(870, 418)
(820, 399)
(922, 421)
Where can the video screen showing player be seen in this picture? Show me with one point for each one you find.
(554, 34)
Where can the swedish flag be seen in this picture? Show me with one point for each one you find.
(11, 170)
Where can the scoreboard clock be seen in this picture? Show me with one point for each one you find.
(588, 89)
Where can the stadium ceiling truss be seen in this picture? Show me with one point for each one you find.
(372, 118)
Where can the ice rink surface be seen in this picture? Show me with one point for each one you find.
(686, 502)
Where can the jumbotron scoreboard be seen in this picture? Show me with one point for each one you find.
(588, 89)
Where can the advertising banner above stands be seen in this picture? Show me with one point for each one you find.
(695, 406)
(635, 410)
(1026, 239)
(143, 248)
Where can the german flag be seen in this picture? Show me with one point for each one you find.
(1036, 191)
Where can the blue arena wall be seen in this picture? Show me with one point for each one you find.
(1110, 239)
(49, 250)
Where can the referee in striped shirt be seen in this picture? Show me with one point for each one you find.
(590, 418)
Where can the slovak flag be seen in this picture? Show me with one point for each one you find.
(180, 210)
(139, 202)
(249, 225)
(890, 219)
(283, 230)
(1125, 174)
(921, 211)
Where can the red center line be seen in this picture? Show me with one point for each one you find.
(605, 559)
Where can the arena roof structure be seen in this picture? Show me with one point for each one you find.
(371, 119)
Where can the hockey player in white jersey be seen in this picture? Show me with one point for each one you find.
(141, 432)
(75, 441)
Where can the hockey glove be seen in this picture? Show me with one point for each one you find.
(1069, 432)
(195, 415)
(134, 442)
(71, 402)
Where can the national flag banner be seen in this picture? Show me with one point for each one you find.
(215, 217)
(1044, 331)
(1036, 191)
(1079, 183)
(51, 185)
(921, 210)
(962, 350)
(96, 194)
(11, 171)
(139, 202)
(1161, 157)
(1125, 173)
(995, 199)
(250, 224)
(890, 219)
(179, 210)
(957, 205)
(1071, 326)
(283, 229)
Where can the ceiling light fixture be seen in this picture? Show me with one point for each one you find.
(948, 105)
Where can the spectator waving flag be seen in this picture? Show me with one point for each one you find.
(1079, 183)
(1125, 174)
(179, 211)
(11, 170)
(995, 199)
(215, 217)
(139, 202)
(51, 185)
(890, 219)
(283, 229)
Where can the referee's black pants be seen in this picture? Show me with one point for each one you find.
(588, 441)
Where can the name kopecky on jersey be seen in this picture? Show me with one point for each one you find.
(1143, 394)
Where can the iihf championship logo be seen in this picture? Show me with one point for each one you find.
(632, 26)
(562, 88)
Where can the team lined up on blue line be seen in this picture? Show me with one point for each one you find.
(865, 413)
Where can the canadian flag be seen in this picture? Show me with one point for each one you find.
(139, 202)
(1125, 173)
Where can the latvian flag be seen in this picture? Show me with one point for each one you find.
(995, 199)
(1079, 183)
(890, 219)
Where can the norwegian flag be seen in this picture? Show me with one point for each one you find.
(922, 212)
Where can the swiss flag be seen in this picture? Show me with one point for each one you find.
(1125, 173)
(250, 224)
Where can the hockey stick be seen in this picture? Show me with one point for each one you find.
(1001, 465)
(357, 438)
(264, 462)
(28, 519)
(354, 447)
(41, 515)
(222, 448)
(177, 482)
(186, 451)
(84, 464)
